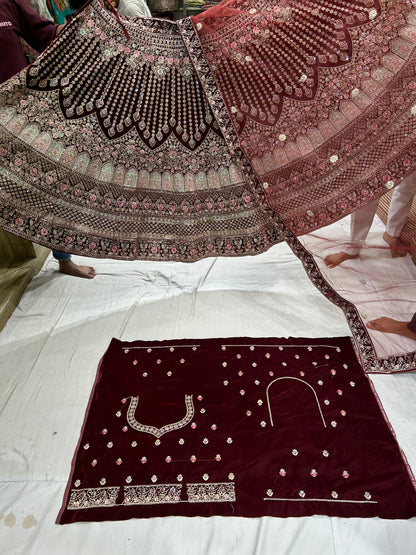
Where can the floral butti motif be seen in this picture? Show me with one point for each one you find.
(284, 46)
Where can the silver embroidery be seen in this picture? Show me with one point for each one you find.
(170, 347)
(158, 432)
(280, 347)
(299, 380)
(210, 493)
(152, 494)
(93, 497)
(358, 501)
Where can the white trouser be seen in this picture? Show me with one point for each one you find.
(362, 218)
(134, 8)
(400, 206)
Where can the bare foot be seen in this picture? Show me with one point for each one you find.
(388, 325)
(333, 260)
(68, 267)
(397, 248)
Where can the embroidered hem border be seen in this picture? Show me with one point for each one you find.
(91, 498)
(370, 362)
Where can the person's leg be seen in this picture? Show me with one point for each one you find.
(412, 324)
(361, 221)
(401, 203)
(61, 256)
(67, 266)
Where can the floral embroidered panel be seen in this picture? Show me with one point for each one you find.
(322, 96)
(109, 148)
(235, 427)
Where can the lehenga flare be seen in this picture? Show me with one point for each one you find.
(217, 135)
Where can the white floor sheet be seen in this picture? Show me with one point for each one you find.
(49, 353)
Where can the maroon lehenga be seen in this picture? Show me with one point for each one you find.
(177, 141)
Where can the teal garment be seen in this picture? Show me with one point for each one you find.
(60, 16)
(57, 12)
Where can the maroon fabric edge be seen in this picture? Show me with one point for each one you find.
(370, 362)
(81, 433)
(393, 433)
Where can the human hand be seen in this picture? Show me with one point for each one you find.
(113, 3)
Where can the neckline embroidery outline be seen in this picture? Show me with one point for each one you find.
(299, 380)
(154, 430)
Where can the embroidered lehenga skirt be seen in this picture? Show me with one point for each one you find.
(219, 135)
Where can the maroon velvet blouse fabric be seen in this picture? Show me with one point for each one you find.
(235, 427)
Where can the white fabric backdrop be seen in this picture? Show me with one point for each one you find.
(49, 353)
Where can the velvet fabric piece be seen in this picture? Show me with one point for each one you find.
(312, 88)
(235, 427)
